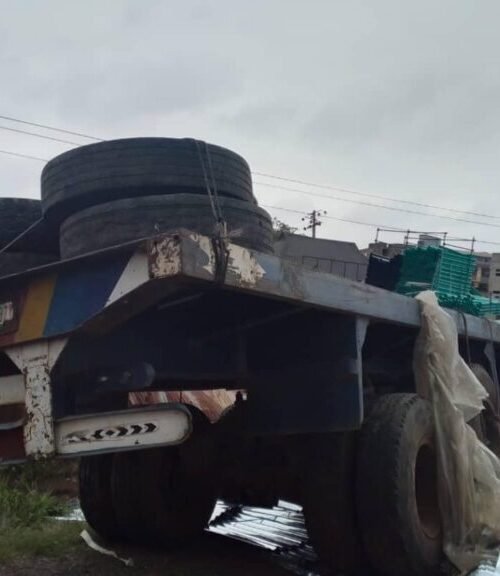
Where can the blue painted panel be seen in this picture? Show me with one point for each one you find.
(82, 291)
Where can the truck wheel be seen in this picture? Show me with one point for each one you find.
(329, 505)
(165, 496)
(133, 167)
(129, 495)
(397, 495)
(181, 486)
(181, 496)
(121, 221)
(487, 423)
(95, 495)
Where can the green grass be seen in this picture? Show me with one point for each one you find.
(25, 510)
(51, 540)
(22, 506)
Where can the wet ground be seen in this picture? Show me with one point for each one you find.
(240, 541)
(212, 556)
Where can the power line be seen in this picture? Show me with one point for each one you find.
(263, 174)
(62, 130)
(392, 208)
(40, 136)
(19, 155)
(337, 218)
(369, 195)
(313, 220)
(267, 175)
(370, 224)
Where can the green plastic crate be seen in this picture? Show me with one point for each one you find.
(440, 269)
(448, 273)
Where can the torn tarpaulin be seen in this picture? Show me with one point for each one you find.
(469, 473)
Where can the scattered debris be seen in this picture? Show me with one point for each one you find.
(87, 538)
(281, 530)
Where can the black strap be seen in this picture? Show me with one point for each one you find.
(219, 239)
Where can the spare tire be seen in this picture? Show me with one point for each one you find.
(16, 215)
(121, 221)
(131, 167)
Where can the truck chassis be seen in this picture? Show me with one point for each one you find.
(249, 381)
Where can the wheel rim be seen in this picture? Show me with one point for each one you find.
(426, 492)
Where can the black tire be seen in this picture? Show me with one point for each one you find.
(165, 496)
(15, 262)
(181, 486)
(16, 215)
(397, 494)
(487, 423)
(121, 221)
(95, 495)
(132, 167)
(330, 507)
(128, 494)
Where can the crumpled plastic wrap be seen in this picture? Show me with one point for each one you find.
(468, 472)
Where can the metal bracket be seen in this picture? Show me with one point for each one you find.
(36, 360)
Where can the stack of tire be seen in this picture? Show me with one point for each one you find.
(16, 216)
(112, 192)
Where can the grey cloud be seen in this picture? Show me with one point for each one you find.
(391, 97)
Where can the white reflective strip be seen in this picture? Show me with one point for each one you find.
(136, 273)
(12, 390)
(124, 430)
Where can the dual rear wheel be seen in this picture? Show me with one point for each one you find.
(162, 496)
(371, 502)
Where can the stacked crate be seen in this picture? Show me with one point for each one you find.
(449, 274)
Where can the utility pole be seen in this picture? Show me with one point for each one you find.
(313, 220)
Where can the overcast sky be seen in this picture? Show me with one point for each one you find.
(392, 98)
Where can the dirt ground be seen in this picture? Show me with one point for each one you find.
(212, 556)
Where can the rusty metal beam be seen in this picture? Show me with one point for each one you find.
(192, 256)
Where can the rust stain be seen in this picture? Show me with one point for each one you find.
(211, 402)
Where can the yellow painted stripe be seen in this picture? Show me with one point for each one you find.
(36, 308)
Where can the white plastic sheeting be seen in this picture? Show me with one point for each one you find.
(468, 472)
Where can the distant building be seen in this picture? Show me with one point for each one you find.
(332, 256)
(425, 240)
(481, 278)
(384, 249)
(390, 250)
(494, 276)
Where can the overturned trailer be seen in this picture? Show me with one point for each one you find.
(180, 368)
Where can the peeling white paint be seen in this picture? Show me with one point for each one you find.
(205, 245)
(39, 428)
(165, 257)
(36, 360)
(244, 265)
